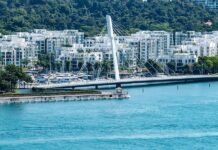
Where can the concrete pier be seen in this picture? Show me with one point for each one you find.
(55, 98)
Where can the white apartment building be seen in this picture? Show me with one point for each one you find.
(178, 38)
(190, 50)
(74, 57)
(178, 59)
(163, 36)
(131, 50)
(102, 44)
(149, 50)
(149, 45)
(51, 41)
(206, 45)
(14, 50)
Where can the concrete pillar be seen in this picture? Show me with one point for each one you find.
(118, 85)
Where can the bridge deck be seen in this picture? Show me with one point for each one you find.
(129, 81)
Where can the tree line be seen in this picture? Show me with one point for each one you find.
(89, 15)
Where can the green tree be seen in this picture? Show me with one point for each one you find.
(10, 76)
(106, 66)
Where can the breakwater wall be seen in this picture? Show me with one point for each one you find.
(58, 98)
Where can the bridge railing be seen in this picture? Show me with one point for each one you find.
(112, 81)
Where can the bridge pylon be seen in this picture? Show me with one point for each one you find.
(113, 47)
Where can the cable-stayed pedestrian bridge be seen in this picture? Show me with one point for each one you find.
(130, 82)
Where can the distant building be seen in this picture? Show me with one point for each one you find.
(177, 38)
(75, 58)
(24, 48)
(50, 41)
(211, 4)
(179, 59)
(14, 50)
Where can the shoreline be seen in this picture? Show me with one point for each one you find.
(63, 97)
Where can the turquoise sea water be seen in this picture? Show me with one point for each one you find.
(159, 117)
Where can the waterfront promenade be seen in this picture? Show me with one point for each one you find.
(130, 82)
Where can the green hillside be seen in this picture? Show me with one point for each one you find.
(89, 15)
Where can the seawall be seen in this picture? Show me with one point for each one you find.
(57, 98)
